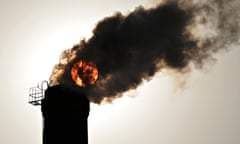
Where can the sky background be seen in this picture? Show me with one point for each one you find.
(205, 110)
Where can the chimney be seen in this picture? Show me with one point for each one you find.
(65, 113)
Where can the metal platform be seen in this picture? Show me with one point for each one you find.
(36, 94)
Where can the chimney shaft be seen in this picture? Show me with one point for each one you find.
(65, 114)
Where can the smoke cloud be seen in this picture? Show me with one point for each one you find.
(129, 49)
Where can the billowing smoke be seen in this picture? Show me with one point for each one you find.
(128, 49)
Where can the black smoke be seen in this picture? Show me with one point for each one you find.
(128, 49)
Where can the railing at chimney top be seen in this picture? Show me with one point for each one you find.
(36, 94)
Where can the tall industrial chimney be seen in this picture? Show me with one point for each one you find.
(65, 113)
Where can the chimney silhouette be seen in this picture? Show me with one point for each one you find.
(65, 113)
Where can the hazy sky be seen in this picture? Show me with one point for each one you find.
(33, 34)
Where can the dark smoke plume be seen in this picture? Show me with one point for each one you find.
(128, 49)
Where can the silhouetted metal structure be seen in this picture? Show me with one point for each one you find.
(36, 94)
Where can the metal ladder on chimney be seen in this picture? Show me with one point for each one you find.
(36, 94)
